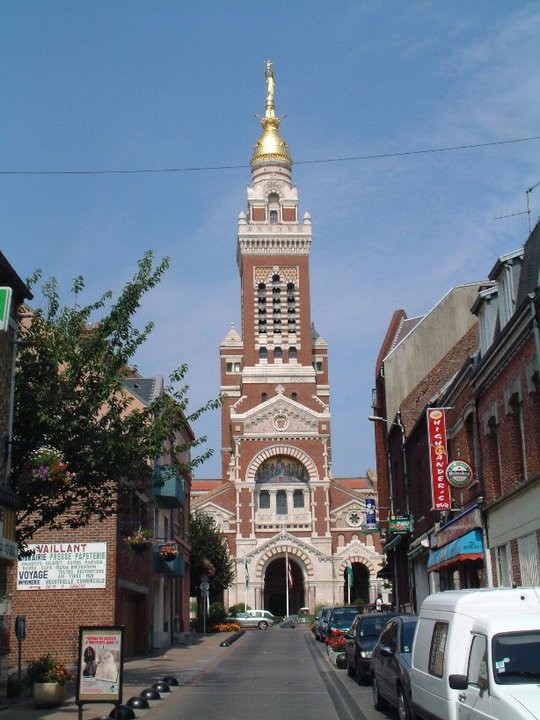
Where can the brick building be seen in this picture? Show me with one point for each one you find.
(487, 387)
(13, 293)
(277, 499)
(92, 576)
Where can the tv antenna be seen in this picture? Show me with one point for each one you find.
(523, 212)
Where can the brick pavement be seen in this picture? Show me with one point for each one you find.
(183, 661)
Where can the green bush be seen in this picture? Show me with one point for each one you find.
(238, 608)
(216, 613)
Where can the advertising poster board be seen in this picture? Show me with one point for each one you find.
(100, 666)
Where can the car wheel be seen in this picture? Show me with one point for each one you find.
(351, 671)
(403, 707)
(262, 625)
(379, 703)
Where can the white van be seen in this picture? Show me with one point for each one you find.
(476, 654)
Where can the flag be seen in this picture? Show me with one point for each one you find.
(289, 574)
(246, 571)
(349, 572)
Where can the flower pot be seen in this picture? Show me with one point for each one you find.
(141, 547)
(48, 694)
(168, 557)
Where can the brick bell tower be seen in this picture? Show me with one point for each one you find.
(276, 441)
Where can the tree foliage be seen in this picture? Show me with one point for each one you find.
(210, 555)
(70, 396)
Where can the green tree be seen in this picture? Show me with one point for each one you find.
(210, 555)
(70, 399)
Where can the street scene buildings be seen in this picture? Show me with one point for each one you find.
(453, 501)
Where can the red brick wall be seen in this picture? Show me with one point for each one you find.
(53, 616)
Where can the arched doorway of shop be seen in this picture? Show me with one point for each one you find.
(277, 584)
(360, 584)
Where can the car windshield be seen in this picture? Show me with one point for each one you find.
(516, 658)
(343, 615)
(372, 626)
(407, 635)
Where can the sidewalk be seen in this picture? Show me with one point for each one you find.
(184, 662)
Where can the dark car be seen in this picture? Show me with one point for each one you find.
(360, 641)
(319, 625)
(340, 620)
(391, 666)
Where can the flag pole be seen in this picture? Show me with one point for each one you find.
(287, 582)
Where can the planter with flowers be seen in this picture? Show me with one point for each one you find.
(169, 552)
(48, 676)
(335, 646)
(46, 464)
(140, 540)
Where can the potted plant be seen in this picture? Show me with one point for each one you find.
(48, 675)
(140, 540)
(168, 552)
(48, 464)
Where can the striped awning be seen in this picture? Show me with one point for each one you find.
(467, 547)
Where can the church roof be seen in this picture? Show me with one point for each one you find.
(232, 338)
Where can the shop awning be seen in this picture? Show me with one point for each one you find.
(467, 547)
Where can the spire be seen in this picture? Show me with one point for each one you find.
(271, 148)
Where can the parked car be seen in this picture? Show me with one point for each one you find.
(340, 620)
(261, 619)
(391, 666)
(476, 654)
(319, 625)
(360, 641)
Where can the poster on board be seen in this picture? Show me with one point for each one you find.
(100, 666)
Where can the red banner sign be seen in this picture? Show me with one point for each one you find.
(438, 459)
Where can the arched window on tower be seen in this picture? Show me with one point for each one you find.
(273, 208)
(293, 354)
(278, 353)
(263, 353)
(281, 502)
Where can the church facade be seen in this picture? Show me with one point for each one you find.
(294, 530)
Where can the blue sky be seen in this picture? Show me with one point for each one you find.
(156, 84)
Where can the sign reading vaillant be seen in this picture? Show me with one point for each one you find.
(438, 459)
(63, 566)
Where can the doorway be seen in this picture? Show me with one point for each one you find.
(277, 584)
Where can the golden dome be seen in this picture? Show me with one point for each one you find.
(271, 147)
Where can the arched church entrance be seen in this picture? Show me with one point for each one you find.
(359, 589)
(277, 583)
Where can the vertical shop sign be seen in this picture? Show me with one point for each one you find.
(438, 459)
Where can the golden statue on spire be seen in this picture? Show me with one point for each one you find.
(270, 89)
(270, 147)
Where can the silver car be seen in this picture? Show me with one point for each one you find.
(261, 619)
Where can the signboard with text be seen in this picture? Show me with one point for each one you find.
(371, 515)
(99, 676)
(63, 566)
(438, 458)
(5, 307)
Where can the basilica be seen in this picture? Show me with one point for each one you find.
(300, 537)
